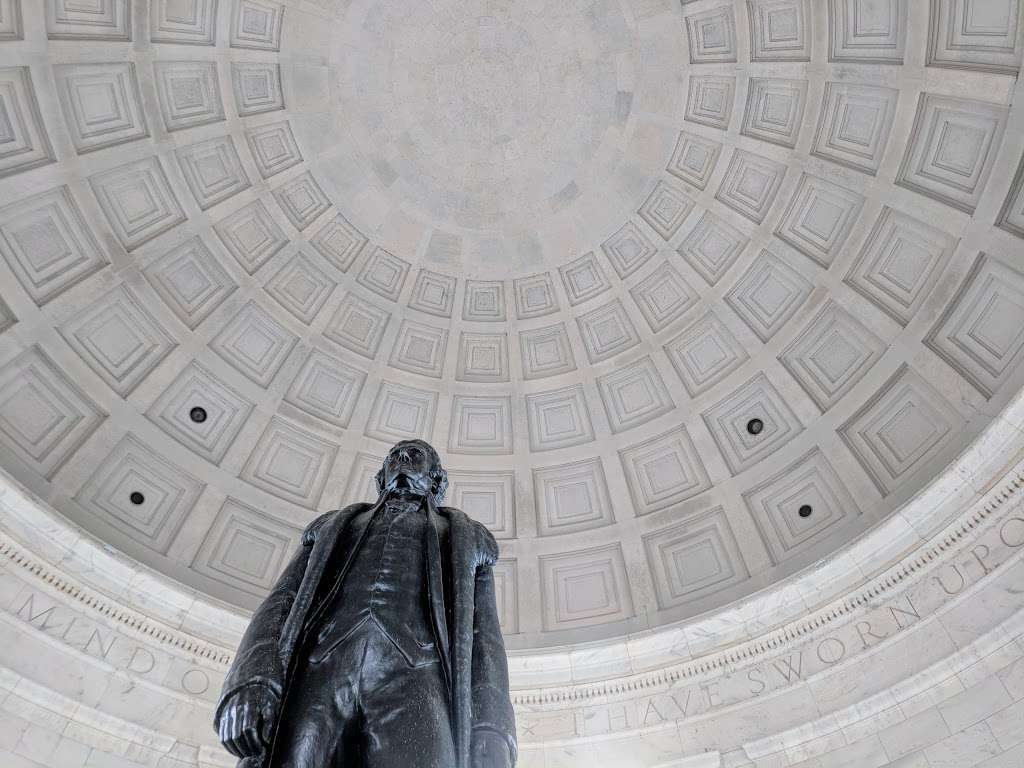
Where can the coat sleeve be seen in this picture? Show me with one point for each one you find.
(257, 661)
(492, 707)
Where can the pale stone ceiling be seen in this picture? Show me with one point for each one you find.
(580, 249)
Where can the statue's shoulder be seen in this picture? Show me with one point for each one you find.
(313, 529)
(486, 545)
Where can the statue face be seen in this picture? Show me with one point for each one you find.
(409, 466)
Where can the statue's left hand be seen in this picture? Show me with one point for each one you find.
(489, 750)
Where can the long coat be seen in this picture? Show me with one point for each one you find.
(475, 663)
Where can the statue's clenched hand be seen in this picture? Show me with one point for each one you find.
(247, 721)
(489, 750)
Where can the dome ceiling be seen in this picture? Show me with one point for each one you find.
(687, 295)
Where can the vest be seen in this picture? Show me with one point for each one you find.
(385, 587)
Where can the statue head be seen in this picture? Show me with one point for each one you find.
(413, 466)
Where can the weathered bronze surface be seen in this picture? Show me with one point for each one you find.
(379, 646)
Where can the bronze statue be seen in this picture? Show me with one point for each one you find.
(379, 646)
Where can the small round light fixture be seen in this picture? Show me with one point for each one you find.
(136, 498)
(197, 414)
(755, 426)
(805, 510)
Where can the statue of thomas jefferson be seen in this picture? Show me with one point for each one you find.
(379, 646)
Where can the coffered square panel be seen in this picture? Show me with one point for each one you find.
(102, 104)
(185, 22)
(558, 419)
(867, 32)
(211, 432)
(256, 24)
(48, 245)
(189, 93)
(401, 413)
(712, 247)
(980, 332)
(775, 110)
(780, 30)
(583, 279)
(168, 494)
(901, 429)
(899, 263)
(257, 87)
(119, 339)
(339, 242)
(634, 394)
(302, 200)
(832, 353)
(246, 549)
(709, 100)
(138, 201)
(854, 125)
(89, 20)
(484, 301)
(976, 34)
(712, 35)
(584, 588)
(546, 351)
(212, 170)
(952, 149)
(483, 357)
(800, 506)
(481, 425)
(694, 558)
(273, 148)
(11, 23)
(705, 353)
(751, 184)
(751, 423)
(768, 295)
(290, 463)
(357, 325)
(489, 497)
(301, 287)
(420, 348)
(819, 218)
(663, 471)
(571, 498)
(607, 331)
(663, 296)
(191, 281)
(384, 274)
(433, 293)
(24, 141)
(629, 248)
(327, 388)
(44, 416)
(694, 159)
(665, 209)
(251, 235)
(255, 344)
(535, 296)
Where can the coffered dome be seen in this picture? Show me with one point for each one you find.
(689, 296)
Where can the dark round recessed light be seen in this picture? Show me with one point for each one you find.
(136, 498)
(755, 426)
(805, 510)
(197, 414)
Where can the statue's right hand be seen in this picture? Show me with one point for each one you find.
(247, 721)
